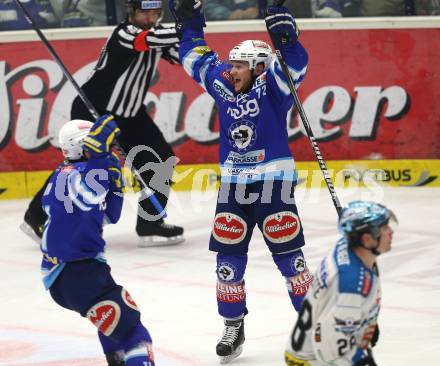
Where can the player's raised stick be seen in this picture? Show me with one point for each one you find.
(306, 123)
(148, 192)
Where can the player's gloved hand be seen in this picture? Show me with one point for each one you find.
(375, 336)
(362, 358)
(116, 180)
(281, 26)
(366, 361)
(187, 14)
(101, 136)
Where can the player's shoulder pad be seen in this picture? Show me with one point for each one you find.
(354, 277)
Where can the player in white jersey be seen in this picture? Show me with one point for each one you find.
(339, 315)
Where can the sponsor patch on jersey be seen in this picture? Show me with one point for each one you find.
(318, 333)
(67, 168)
(242, 135)
(347, 325)
(281, 227)
(105, 316)
(227, 272)
(223, 91)
(229, 228)
(251, 157)
(261, 80)
(227, 75)
(231, 293)
(126, 297)
(342, 257)
(301, 283)
(365, 283)
(202, 50)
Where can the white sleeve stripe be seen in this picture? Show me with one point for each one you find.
(123, 34)
(126, 45)
(280, 15)
(161, 41)
(280, 22)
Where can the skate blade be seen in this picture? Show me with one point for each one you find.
(27, 229)
(232, 356)
(159, 241)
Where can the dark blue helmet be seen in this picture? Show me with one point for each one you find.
(364, 217)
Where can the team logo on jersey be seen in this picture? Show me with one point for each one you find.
(223, 91)
(242, 135)
(347, 325)
(252, 157)
(227, 272)
(229, 228)
(298, 263)
(281, 227)
(126, 297)
(105, 316)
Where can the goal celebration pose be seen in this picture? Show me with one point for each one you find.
(258, 173)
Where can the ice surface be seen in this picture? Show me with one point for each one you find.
(175, 286)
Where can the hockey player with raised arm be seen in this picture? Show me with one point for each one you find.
(338, 321)
(118, 86)
(83, 193)
(257, 169)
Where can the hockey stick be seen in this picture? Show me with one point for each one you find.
(148, 192)
(306, 123)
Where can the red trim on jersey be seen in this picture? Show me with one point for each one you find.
(140, 42)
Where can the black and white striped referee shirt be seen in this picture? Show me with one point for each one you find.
(127, 64)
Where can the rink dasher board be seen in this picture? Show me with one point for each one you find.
(199, 177)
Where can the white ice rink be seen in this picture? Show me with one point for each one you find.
(175, 287)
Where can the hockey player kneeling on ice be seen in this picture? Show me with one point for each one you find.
(258, 173)
(338, 321)
(83, 193)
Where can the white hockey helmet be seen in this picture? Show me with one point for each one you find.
(253, 52)
(71, 138)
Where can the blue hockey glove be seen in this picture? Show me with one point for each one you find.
(363, 358)
(187, 14)
(281, 26)
(116, 180)
(101, 136)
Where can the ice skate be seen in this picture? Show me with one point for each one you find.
(230, 346)
(159, 234)
(31, 228)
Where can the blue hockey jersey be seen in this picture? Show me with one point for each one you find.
(253, 131)
(77, 201)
